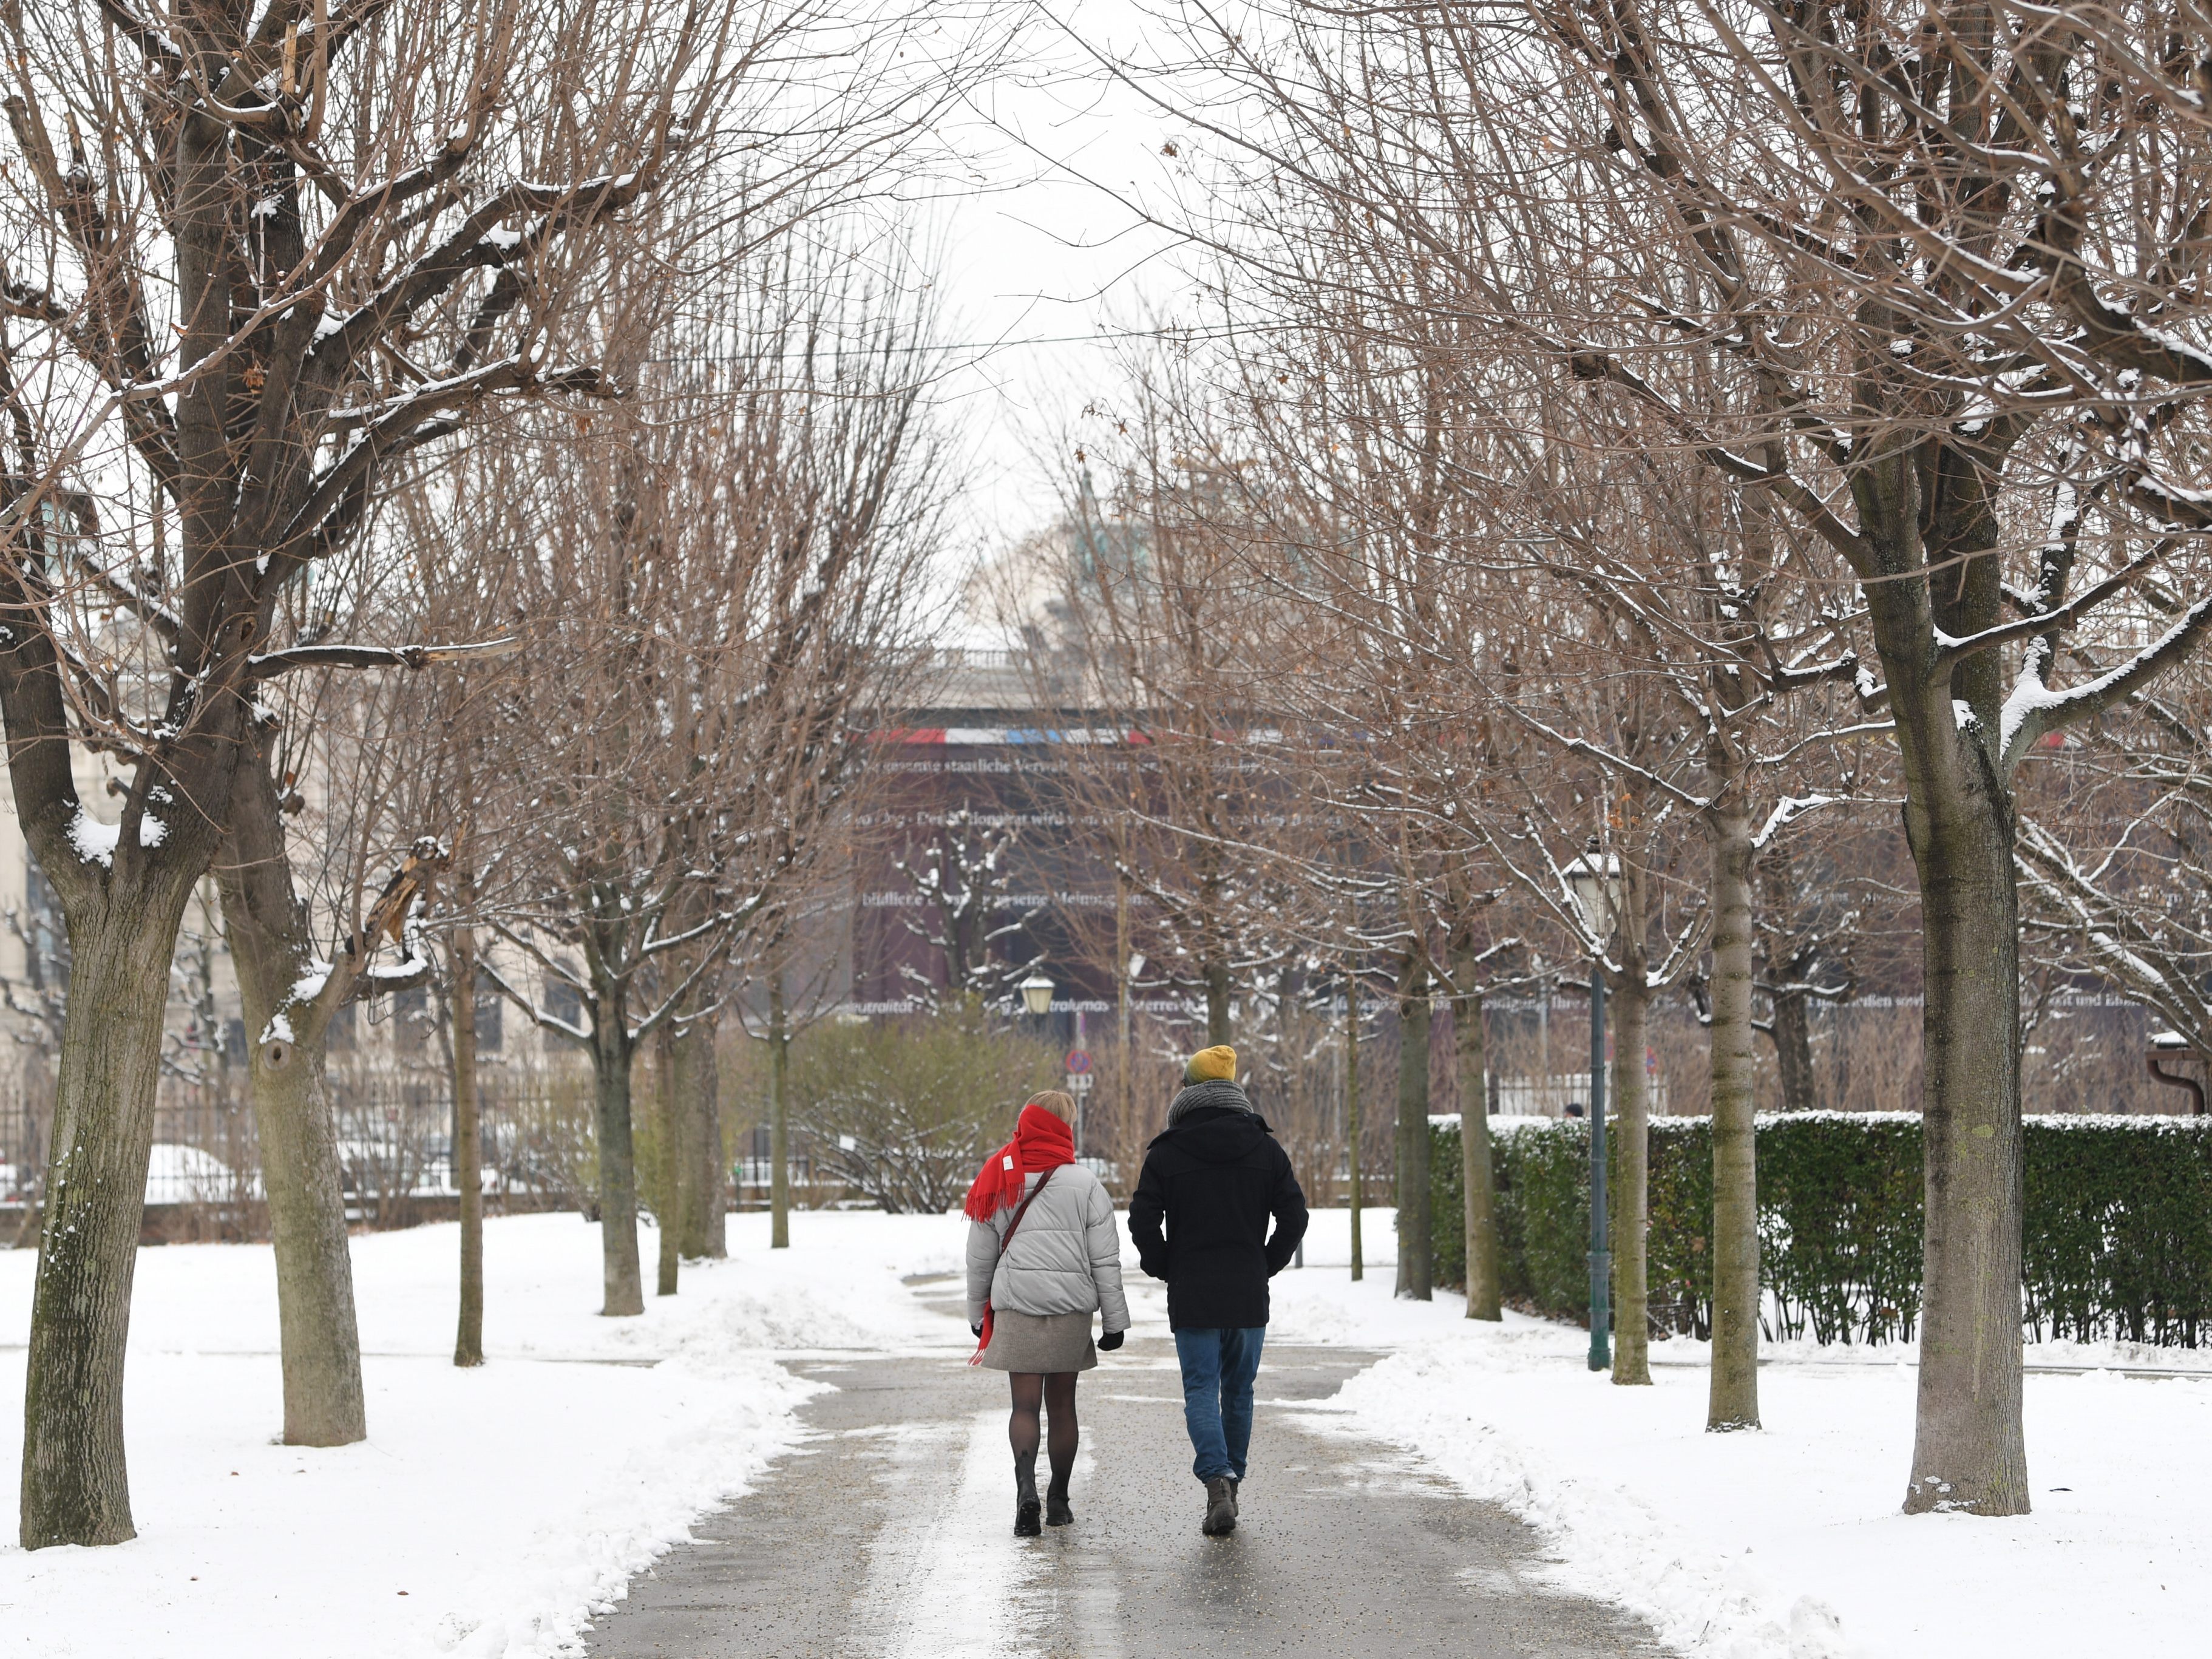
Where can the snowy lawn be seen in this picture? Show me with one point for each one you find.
(489, 1511)
(1788, 1543)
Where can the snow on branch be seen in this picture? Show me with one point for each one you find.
(544, 1019)
(1787, 811)
(1952, 651)
(273, 663)
(2033, 709)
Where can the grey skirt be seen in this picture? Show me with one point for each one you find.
(1040, 1342)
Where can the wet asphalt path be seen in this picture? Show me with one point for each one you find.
(889, 1535)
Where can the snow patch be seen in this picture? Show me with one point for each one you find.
(95, 842)
(511, 1502)
(1790, 1542)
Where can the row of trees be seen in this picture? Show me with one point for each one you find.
(1643, 432)
(463, 494)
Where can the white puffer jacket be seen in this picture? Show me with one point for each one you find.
(1066, 1257)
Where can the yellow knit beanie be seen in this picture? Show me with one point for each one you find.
(1217, 1064)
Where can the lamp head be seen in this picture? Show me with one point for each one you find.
(1036, 993)
(1594, 880)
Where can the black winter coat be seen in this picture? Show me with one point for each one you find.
(1213, 1180)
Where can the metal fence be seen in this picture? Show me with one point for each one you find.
(395, 1135)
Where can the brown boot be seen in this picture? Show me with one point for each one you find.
(1220, 1507)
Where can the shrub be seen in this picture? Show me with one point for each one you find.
(2118, 1237)
(903, 1112)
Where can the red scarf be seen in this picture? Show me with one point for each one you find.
(1041, 1141)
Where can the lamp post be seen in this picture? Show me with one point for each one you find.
(1594, 880)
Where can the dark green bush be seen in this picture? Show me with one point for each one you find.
(2117, 1232)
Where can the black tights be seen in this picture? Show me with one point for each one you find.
(1055, 1391)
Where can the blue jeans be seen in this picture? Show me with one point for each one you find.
(1219, 1364)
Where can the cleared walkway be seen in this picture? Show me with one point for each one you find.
(890, 1536)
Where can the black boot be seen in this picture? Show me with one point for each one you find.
(1025, 1497)
(1220, 1507)
(1056, 1512)
(1235, 1486)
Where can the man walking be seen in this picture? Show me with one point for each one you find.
(1212, 1180)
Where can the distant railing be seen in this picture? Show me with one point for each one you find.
(395, 1151)
(969, 656)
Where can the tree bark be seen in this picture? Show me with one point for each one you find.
(669, 1183)
(1476, 1179)
(704, 1174)
(1630, 1010)
(1414, 1264)
(1733, 1401)
(779, 1117)
(1352, 1126)
(1969, 1452)
(267, 928)
(76, 1488)
(612, 1051)
(1124, 1056)
(1217, 1002)
(468, 1148)
(1793, 1051)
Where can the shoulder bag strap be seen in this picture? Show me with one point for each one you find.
(1023, 1209)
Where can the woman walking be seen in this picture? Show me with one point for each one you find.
(1044, 1253)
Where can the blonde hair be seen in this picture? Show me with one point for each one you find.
(1060, 1105)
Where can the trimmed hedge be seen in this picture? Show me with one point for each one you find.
(2118, 1230)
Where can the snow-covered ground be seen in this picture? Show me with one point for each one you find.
(491, 1511)
(1789, 1543)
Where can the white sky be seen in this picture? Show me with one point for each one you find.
(1039, 266)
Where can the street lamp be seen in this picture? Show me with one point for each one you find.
(1594, 880)
(1036, 994)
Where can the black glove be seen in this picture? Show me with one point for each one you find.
(975, 1331)
(1111, 1340)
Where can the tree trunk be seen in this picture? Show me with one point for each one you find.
(1125, 1055)
(669, 1172)
(1632, 1158)
(1733, 1402)
(299, 1170)
(468, 1148)
(1792, 1029)
(1217, 1002)
(75, 1488)
(611, 1054)
(1476, 1180)
(1352, 1126)
(1413, 1218)
(705, 1172)
(1793, 1051)
(1969, 1452)
(1925, 510)
(266, 926)
(779, 1100)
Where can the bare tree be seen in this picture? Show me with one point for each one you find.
(1918, 280)
(1175, 776)
(728, 583)
(963, 876)
(255, 258)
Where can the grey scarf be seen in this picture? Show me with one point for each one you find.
(1215, 1091)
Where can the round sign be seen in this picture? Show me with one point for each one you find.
(1077, 1062)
